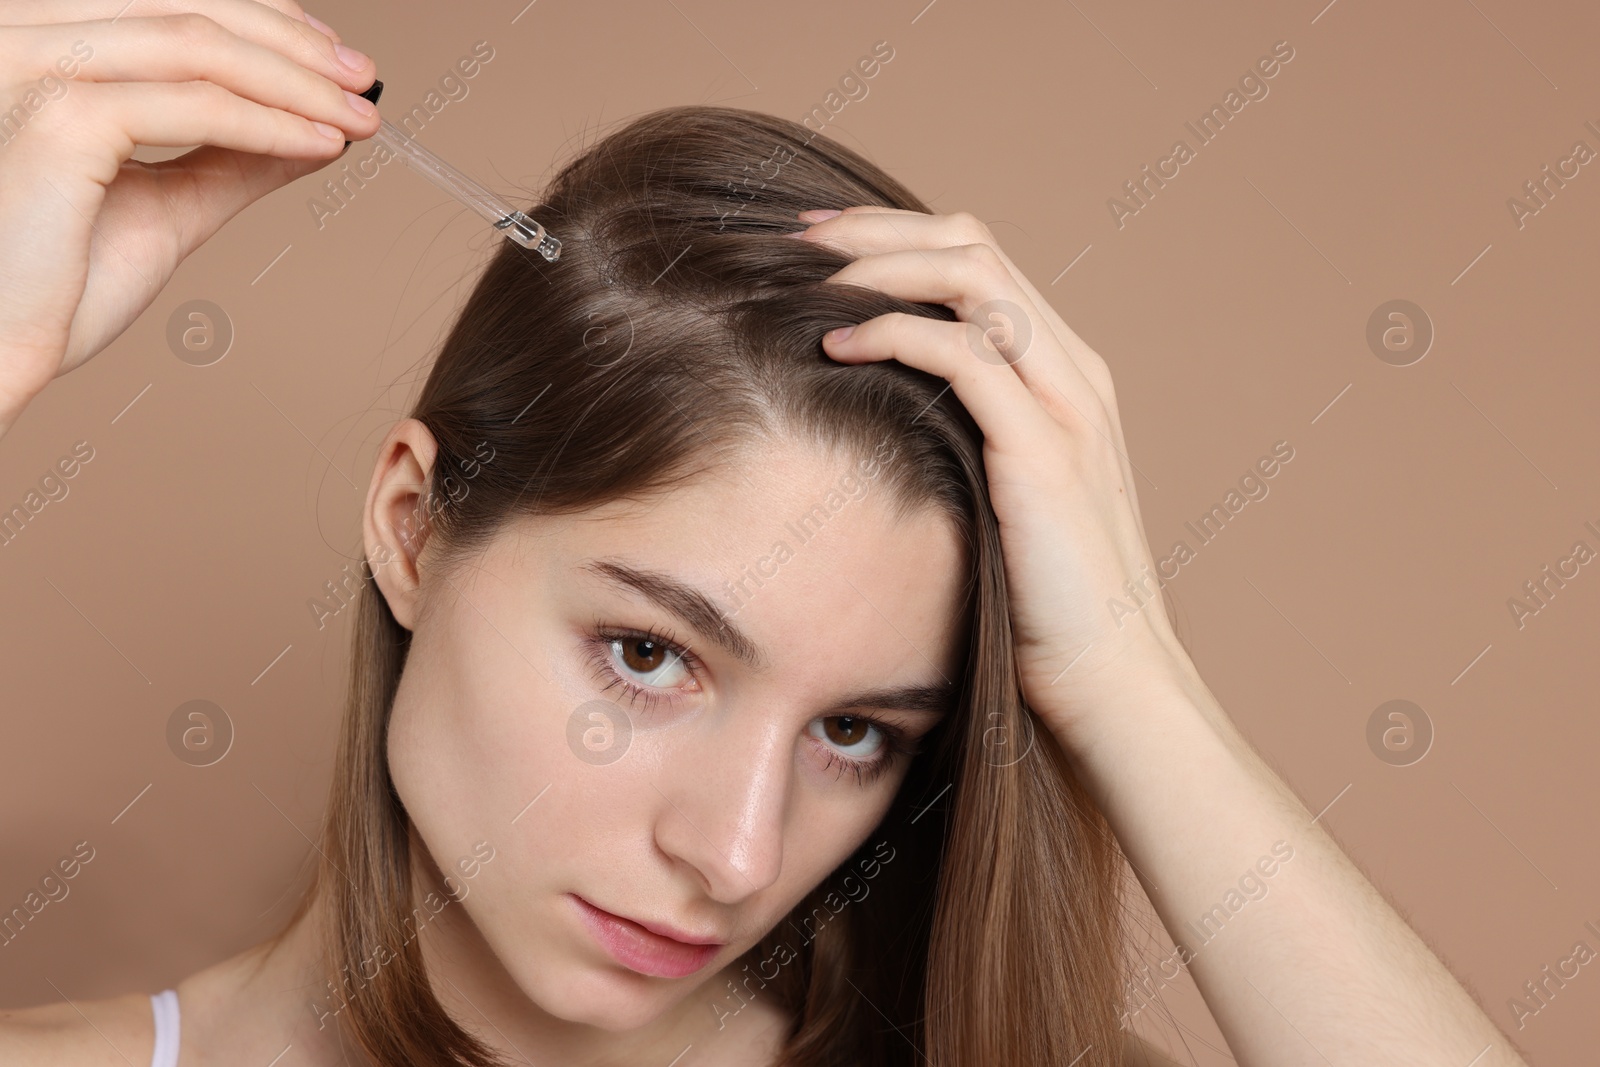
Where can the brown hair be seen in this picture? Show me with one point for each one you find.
(677, 325)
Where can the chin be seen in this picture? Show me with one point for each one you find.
(604, 996)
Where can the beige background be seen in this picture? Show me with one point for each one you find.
(1232, 308)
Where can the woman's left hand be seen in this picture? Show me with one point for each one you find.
(1190, 801)
(1059, 475)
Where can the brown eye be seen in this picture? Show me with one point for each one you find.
(848, 733)
(652, 661)
(642, 656)
(844, 730)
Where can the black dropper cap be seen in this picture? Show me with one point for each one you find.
(371, 94)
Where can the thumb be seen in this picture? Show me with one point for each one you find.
(210, 185)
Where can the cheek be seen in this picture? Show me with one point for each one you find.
(480, 747)
(469, 747)
(824, 832)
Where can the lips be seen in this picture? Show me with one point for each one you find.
(652, 949)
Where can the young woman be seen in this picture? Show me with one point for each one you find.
(729, 688)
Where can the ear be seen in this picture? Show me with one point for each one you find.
(395, 526)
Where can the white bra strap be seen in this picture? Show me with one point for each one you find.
(164, 1005)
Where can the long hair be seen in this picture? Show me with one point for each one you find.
(985, 923)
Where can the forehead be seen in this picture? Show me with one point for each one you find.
(802, 547)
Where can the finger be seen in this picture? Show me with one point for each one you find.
(885, 234)
(1006, 410)
(41, 12)
(975, 283)
(1000, 402)
(868, 229)
(279, 31)
(194, 48)
(176, 114)
(862, 208)
(210, 185)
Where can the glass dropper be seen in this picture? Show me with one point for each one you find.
(517, 226)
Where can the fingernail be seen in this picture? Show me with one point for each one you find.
(329, 131)
(840, 334)
(317, 23)
(359, 104)
(356, 61)
(821, 214)
(374, 91)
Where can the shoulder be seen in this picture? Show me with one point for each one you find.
(1137, 1052)
(113, 1032)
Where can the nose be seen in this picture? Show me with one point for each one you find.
(723, 792)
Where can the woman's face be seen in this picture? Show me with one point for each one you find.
(570, 706)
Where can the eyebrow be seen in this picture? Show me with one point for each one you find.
(698, 611)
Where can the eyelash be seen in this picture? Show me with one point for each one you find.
(896, 744)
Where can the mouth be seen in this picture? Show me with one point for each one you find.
(650, 949)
